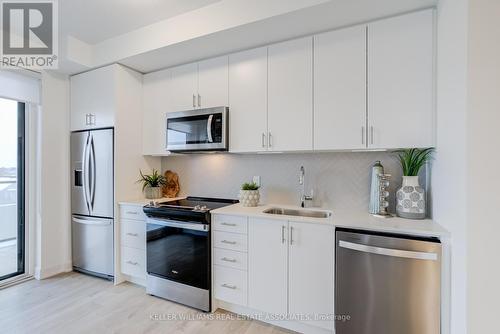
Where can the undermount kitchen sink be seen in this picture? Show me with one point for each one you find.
(300, 213)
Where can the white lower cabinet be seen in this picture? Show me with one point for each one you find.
(134, 262)
(267, 265)
(311, 271)
(290, 271)
(231, 285)
(230, 259)
(133, 243)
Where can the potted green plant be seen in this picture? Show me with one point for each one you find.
(410, 198)
(249, 194)
(151, 184)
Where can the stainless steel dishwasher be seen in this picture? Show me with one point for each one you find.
(387, 283)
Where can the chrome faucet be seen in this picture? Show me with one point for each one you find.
(302, 182)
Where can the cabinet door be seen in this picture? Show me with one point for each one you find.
(290, 78)
(156, 86)
(267, 265)
(400, 81)
(93, 93)
(183, 93)
(248, 101)
(311, 258)
(340, 89)
(212, 83)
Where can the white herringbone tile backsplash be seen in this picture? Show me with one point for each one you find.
(340, 180)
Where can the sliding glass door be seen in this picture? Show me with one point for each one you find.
(12, 177)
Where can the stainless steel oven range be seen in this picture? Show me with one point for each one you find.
(178, 250)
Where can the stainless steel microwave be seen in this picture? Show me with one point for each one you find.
(198, 130)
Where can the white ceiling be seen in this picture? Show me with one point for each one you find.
(93, 21)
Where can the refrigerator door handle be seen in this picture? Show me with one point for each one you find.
(93, 171)
(388, 251)
(85, 173)
(95, 222)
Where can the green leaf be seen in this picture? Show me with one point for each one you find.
(413, 159)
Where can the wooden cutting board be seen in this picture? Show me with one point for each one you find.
(172, 187)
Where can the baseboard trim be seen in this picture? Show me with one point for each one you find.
(288, 324)
(52, 271)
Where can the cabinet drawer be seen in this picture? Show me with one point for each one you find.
(133, 262)
(133, 234)
(231, 285)
(232, 224)
(230, 258)
(230, 241)
(132, 212)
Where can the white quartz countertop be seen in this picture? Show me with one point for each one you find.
(347, 219)
(144, 201)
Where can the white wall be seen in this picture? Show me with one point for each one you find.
(483, 250)
(449, 167)
(53, 246)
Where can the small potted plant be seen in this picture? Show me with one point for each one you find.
(249, 194)
(151, 184)
(410, 198)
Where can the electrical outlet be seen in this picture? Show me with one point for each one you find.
(256, 180)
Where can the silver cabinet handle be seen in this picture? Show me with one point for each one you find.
(132, 263)
(388, 251)
(228, 242)
(228, 224)
(87, 119)
(363, 135)
(263, 139)
(291, 235)
(371, 135)
(233, 287)
(270, 139)
(283, 234)
(228, 259)
(194, 101)
(133, 234)
(132, 212)
(199, 100)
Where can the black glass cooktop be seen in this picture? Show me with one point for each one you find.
(198, 202)
(193, 209)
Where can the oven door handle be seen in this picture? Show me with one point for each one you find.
(187, 226)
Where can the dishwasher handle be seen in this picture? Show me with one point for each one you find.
(388, 251)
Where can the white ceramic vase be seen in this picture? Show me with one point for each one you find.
(249, 197)
(152, 192)
(410, 199)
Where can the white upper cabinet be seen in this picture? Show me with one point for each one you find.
(401, 81)
(311, 270)
(267, 265)
(290, 95)
(199, 85)
(212, 83)
(183, 93)
(248, 101)
(340, 89)
(156, 86)
(93, 99)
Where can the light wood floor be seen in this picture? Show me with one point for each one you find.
(76, 303)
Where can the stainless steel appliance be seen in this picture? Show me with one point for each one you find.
(387, 284)
(178, 250)
(198, 130)
(92, 201)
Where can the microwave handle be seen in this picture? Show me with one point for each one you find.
(209, 128)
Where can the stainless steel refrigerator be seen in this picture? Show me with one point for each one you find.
(92, 205)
